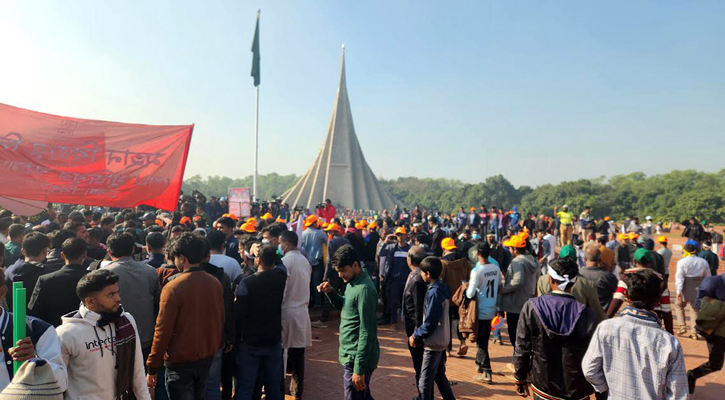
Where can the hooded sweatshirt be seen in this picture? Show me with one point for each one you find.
(551, 340)
(436, 328)
(520, 283)
(89, 354)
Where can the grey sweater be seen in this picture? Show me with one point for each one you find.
(140, 293)
(520, 283)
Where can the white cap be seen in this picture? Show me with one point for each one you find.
(648, 217)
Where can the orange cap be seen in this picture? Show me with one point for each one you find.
(159, 222)
(252, 220)
(662, 239)
(524, 235)
(267, 216)
(311, 220)
(232, 216)
(331, 227)
(632, 236)
(400, 230)
(280, 220)
(473, 208)
(363, 223)
(448, 244)
(515, 241)
(622, 236)
(185, 220)
(373, 225)
(606, 218)
(248, 227)
(360, 225)
(198, 218)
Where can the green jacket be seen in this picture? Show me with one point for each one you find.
(711, 318)
(358, 324)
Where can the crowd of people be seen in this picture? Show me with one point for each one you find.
(202, 304)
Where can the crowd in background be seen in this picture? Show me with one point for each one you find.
(200, 303)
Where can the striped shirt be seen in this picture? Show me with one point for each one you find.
(620, 294)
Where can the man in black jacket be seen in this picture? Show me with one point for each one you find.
(694, 230)
(552, 337)
(258, 317)
(55, 293)
(413, 301)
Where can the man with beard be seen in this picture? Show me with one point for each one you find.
(113, 366)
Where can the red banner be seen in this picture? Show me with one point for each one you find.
(79, 161)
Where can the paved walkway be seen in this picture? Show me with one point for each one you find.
(394, 378)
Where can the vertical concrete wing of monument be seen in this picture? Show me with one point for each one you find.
(340, 171)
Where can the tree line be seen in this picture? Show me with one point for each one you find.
(676, 195)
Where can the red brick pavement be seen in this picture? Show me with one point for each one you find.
(394, 378)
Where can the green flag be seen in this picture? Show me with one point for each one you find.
(255, 55)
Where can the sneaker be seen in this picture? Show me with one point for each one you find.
(480, 369)
(318, 324)
(463, 350)
(691, 381)
(485, 377)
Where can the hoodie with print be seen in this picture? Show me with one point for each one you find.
(89, 352)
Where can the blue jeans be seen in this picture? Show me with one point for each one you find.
(395, 297)
(214, 380)
(253, 361)
(318, 272)
(350, 392)
(434, 370)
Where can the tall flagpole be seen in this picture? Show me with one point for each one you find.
(256, 147)
(255, 62)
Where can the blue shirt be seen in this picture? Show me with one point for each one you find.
(484, 282)
(312, 242)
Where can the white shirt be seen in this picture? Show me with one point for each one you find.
(690, 267)
(552, 241)
(296, 328)
(230, 266)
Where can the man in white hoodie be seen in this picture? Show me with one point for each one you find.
(100, 344)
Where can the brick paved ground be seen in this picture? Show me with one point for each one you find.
(394, 378)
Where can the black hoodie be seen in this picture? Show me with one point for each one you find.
(552, 336)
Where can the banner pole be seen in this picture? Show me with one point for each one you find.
(18, 318)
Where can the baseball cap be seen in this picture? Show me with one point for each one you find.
(568, 251)
(267, 216)
(642, 254)
(622, 236)
(373, 225)
(515, 241)
(149, 215)
(448, 244)
(473, 208)
(606, 218)
(185, 220)
(331, 227)
(662, 239)
(632, 236)
(400, 230)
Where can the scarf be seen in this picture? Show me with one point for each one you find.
(125, 344)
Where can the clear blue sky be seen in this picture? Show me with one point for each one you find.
(539, 91)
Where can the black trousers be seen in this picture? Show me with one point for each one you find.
(484, 332)
(296, 366)
(229, 364)
(716, 348)
(188, 381)
(512, 321)
(417, 354)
